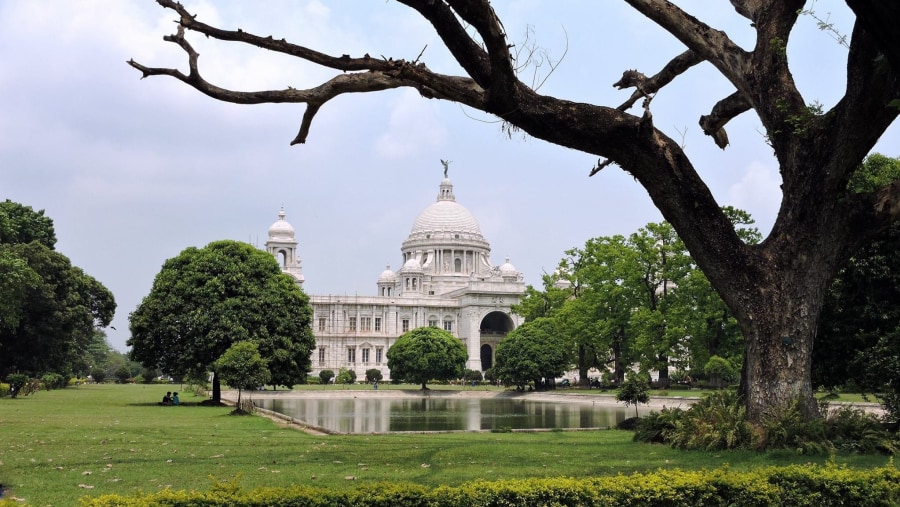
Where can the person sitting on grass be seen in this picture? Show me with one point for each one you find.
(175, 400)
(167, 399)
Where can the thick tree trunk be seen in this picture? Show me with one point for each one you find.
(779, 327)
(216, 388)
(663, 381)
(583, 367)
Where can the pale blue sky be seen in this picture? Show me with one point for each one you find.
(133, 171)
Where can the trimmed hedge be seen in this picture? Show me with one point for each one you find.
(797, 486)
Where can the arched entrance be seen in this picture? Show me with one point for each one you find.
(494, 327)
(487, 357)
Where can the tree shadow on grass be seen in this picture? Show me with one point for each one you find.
(204, 403)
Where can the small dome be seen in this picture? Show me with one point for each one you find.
(387, 276)
(412, 265)
(507, 269)
(281, 229)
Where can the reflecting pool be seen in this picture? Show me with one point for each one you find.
(383, 415)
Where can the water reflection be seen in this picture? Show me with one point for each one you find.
(382, 415)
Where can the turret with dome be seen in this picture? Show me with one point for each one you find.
(446, 279)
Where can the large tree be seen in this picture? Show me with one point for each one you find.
(775, 289)
(860, 323)
(49, 309)
(533, 352)
(206, 299)
(426, 353)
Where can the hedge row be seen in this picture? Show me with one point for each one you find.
(772, 486)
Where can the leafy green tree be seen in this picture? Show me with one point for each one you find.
(532, 352)
(242, 367)
(860, 323)
(663, 263)
(426, 353)
(544, 303)
(206, 299)
(776, 288)
(598, 317)
(17, 281)
(58, 315)
(21, 224)
(634, 391)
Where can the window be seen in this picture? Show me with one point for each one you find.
(352, 323)
(457, 265)
(448, 325)
(432, 323)
(321, 323)
(365, 356)
(321, 355)
(351, 355)
(377, 323)
(405, 325)
(365, 323)
(378, 352)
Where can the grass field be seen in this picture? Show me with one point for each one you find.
(57, 446)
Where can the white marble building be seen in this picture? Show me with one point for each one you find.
(446, 280)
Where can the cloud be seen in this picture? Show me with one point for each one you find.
(413, 128)
(758, 192)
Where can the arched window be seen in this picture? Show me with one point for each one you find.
(457, 265)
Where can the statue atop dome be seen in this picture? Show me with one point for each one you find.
(446, 164)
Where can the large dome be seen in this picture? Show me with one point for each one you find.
(445, 216)
(445, 222)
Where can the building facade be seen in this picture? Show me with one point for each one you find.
(446, 280)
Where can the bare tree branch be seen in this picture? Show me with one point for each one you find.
(468, 53)
(651, 85)
(709, 44)
(713, 124)
(382, 74)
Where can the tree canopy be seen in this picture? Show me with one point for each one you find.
(860, 325)
(775, 289)
(49, 309)
(206, 299)
(533, 352)
(426, 353)
(242, 367)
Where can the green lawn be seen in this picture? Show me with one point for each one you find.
(57, 446)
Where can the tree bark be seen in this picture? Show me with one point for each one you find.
(216, 389)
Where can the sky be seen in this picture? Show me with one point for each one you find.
(134, 171)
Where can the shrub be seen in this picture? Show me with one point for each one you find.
(373, 375)
(18, 383)
(798, 486)
(122, 374)
(4, 390)
(852, 430)
(658, 427)
(345, 376)
(98, 374)
(326, 375)
(472, 375)
(53, 381)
